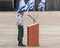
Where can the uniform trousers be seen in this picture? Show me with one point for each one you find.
(20, 34)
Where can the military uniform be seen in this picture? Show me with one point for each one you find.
(20, 28)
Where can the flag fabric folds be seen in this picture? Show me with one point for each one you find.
(42, 5)
(30, 5)
(22, 6)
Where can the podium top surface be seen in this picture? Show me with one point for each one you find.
(32, 24)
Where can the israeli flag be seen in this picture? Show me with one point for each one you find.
(42, 5)
(30, 4)
(22, 6)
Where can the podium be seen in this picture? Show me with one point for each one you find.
(33, 35)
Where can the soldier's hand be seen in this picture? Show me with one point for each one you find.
(17, 24)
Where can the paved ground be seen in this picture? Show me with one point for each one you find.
(49, 34)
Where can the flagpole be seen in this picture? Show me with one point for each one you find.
(13, 3)
(34, 7)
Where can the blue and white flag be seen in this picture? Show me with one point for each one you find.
(22, 6)
(42, 5)
(30, 4)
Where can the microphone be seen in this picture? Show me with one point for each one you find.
(32, 18)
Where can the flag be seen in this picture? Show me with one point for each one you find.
(30, 4)
(22, 6)
(42, 5)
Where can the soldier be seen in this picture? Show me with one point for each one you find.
(20, 28)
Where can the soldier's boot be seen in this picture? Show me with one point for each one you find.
(20, 43)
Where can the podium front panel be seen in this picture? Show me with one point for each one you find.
(33, 35)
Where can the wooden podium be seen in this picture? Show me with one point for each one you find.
(33, 35)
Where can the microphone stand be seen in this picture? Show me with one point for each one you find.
(32, 18)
